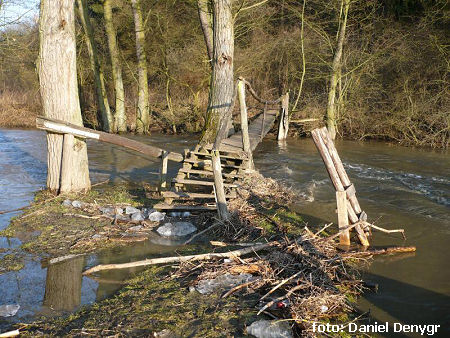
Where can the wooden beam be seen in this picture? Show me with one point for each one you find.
(163, 171)
(62, 127)
(244, 124)
(341, 201)
(283, 126)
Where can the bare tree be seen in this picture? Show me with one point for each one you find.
(99, 79)
(205, 17)
(222, 84)
(120, 122)
(142, 118)
(335, 71)
(59, 92)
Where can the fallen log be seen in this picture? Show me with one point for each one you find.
(179, 259)
(382, 251)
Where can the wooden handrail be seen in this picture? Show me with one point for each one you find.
(62, 127)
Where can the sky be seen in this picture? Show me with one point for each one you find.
(19, 11)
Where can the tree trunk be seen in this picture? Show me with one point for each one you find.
(120, 120)
(331, 107)
(222, 84)
(102, 97)
(142, 118)
(205, 17)
(59, 91)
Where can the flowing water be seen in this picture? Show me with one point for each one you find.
(397, 187)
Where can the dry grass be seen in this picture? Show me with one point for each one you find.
(19, 110)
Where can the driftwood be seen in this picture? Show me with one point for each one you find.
(165, 260)
(244, 123)
(14, 333)
(382, 251)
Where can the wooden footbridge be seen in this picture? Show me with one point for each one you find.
(210, 174)
(193, 188)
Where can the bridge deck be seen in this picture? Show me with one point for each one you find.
(234, 142)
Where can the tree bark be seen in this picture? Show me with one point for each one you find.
(205, 17)
(100, 89)
(59, 91)
(331, 107)
(120, 120)
(142, 118)
(222, 84)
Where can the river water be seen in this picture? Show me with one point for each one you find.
(398, 188)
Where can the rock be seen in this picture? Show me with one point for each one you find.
(77, 204)
(147, 211)
(136, 228)
(107, 211)
(323, 308)
(67, 203)
(97, 236)
(156, 216)
(175, 214)
(123, 218)
(9, 310)
(131, 210)
(177, 229)
(164, 334)
(270, 329)
(226, 281)
(137, 217)
(118, 211)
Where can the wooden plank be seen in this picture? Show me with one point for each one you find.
(209, 163)
(231, 157)
(198, 182)
(193, 195)
(208, 173)
(341, 200)
(244, 124)
(62, 127)
(164, 206)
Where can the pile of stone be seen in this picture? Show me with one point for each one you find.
(138, 216)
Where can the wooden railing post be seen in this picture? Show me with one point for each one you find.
(283, 127)
(163, 170)
(341, 201)
(219, 189)
(244, 123)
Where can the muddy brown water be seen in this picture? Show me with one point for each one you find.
(398, 188)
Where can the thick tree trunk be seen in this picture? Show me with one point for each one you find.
(205, 17)
(102, 97)
(59, 92)
(120, 120)
(142, 118)
(331, 107)
(222, 84)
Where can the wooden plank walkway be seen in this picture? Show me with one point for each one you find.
(194, 180)
(234, 142)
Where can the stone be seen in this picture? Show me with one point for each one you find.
(156, 216)
(225, 281)
(77, 204)
(137, 217)
(174, 214)
(270, 329)
(108, 211)
(124, 218)
(177, 229)
(67, 203)
(118, 211)
(131, 210)
(97, 236)
(9, 310)
(136, 228)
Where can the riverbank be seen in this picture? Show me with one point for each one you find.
(321, 285)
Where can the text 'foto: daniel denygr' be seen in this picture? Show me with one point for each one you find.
(424, 330)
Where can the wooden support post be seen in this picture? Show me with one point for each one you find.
(163, 170)
(336, 180)
(283, 126)
(66, 163)
(244, 123)
(341, 200)
(219, 189)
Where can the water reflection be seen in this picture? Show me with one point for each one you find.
(63, 284)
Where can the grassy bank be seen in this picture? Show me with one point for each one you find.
(315, 281)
